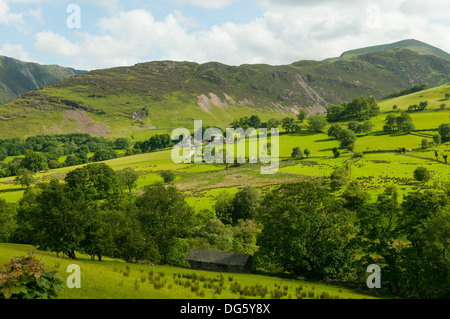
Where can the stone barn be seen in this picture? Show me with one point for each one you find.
(219, 261)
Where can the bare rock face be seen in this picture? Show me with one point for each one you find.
(84, 123)
(139, 116)
(319, 104)
(205, 101)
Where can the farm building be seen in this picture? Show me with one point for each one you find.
(219, 261)
(216, 138)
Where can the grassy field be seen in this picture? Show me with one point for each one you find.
(196, 180)
(434, 96)
(115, 279)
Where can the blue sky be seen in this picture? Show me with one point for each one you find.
(117, 33)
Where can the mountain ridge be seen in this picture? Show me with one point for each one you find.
(122, 101)
(412, 44)
(18, 77)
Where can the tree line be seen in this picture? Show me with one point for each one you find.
(414, 89)
(43, 152)
(359, 109)
(93, 211)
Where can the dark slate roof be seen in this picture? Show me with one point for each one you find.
(217, 257)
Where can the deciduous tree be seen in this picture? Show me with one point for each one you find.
(128, 178)
(164, 216)
(317, 122)
(422, 174)
(304, 231)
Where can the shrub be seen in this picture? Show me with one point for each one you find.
(339, 177)
(355, 126)
(8, 222)
(168, 176)
(262, 291)
(423, 105)
(336, 152)
(104, 155)
(444, 132)
(301, 295)
(422, 174)
(317, 122)
(297, 152)
(437, 139)
(357, 155)
(52, 164)
(235, 288)
(277, 294)
(335, 130)
(350, 147)
(218, 289)
(325, 295)
(194, 287)
(307, 152)
(158, 285)
(26, 278)
(136, 285)
(407, 127)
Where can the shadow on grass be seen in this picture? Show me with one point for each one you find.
(325, 140)
(12, 190)
(300, 133)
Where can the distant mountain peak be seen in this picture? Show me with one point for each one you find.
(411, 44)
(18, 77)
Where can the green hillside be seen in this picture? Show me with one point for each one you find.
(202, 180)
(17, 77)
(126, 101)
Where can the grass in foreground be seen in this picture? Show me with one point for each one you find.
(115, 279)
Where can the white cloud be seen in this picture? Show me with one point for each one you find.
(131, 37)
(330, 27)
(210, 4)
(37, 14)
(288, 31)
(105, 3)
(54, 44)
(140, 34)
(28, 1)
(185, 21)
(14, 20)
(125, 39)
(15, 51)
(111, 5)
